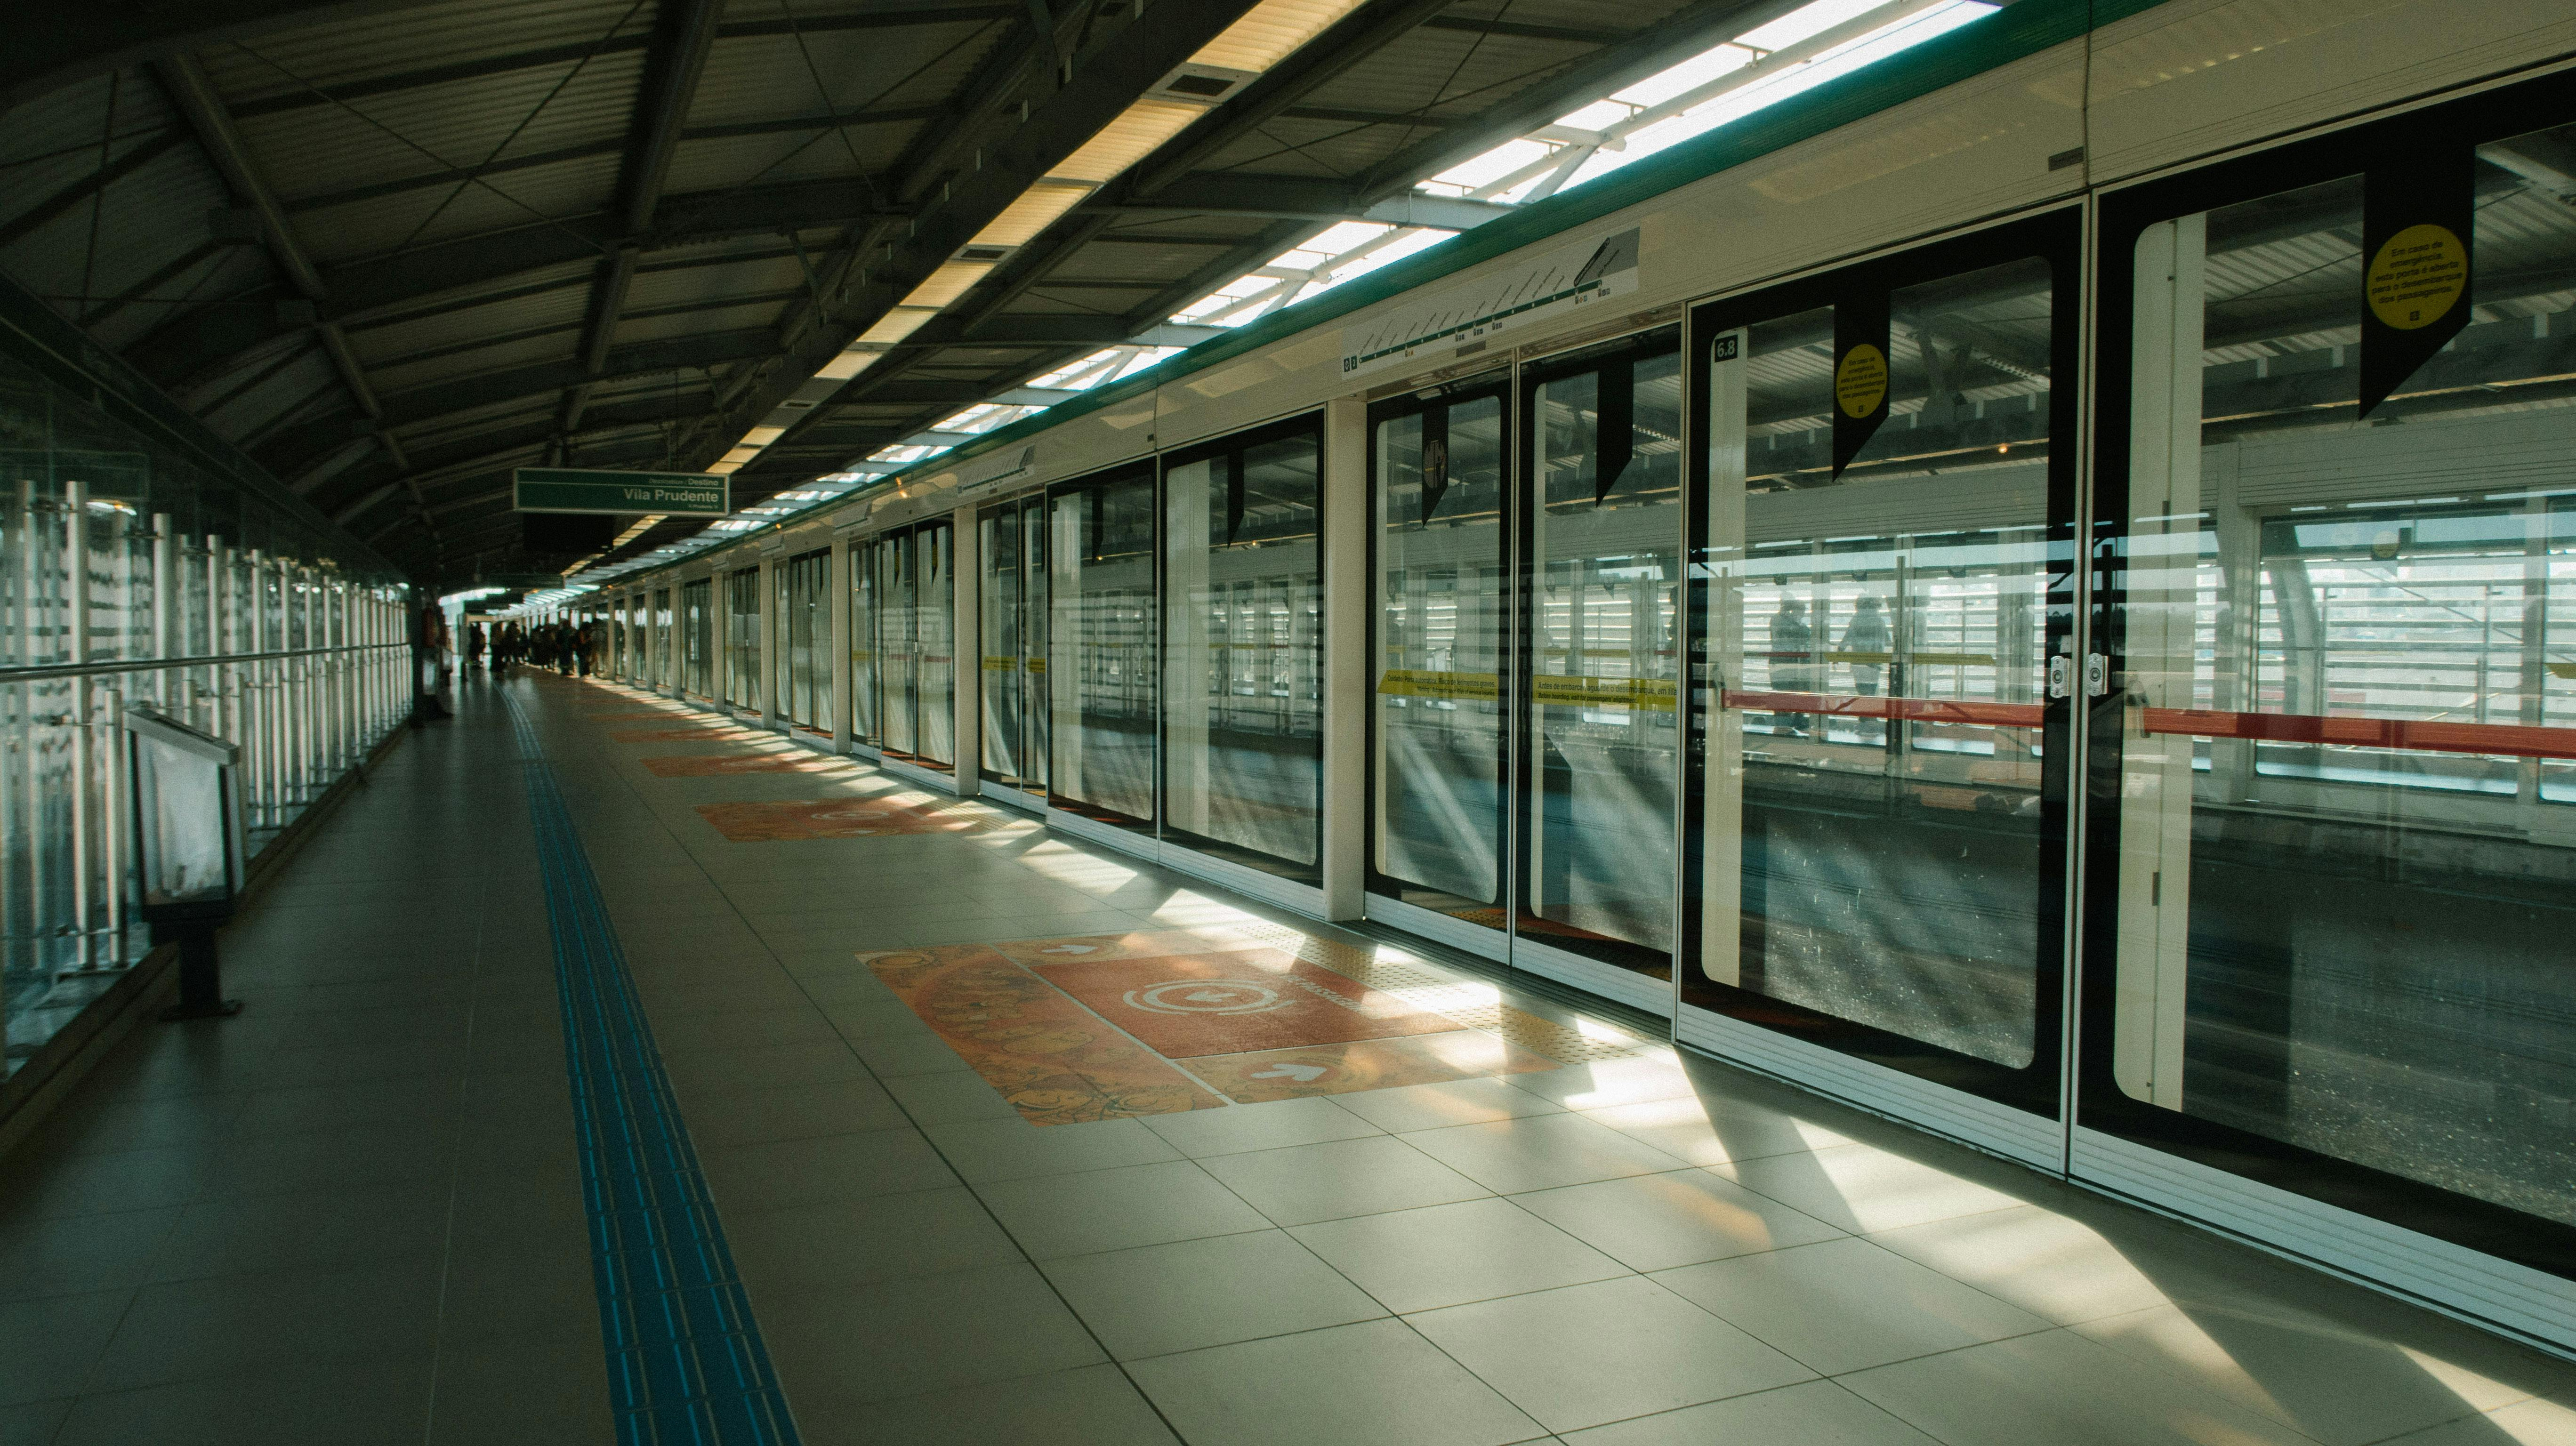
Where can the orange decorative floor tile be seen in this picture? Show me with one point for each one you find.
(834, 818)
(1055, 1061)
(721, 764)
(1233, 1001)
(1367, 1064)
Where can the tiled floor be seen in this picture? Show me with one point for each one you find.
(354, 1213)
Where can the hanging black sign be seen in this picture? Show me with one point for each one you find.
(2417, 220)
(1435, 460)
(1614, 426)
(1861, 372)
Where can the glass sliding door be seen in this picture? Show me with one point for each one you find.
(1000, 600)
(1599, 744)
(1036, 717)
(1882, 553)
(1101, 646)
(934, 611)
(897, 660)
(698, 637)
(1243, 746)
(742, 638)
(2332, 843)
(806, 636)
(1442, 645)
(663, 641)
(865, 650)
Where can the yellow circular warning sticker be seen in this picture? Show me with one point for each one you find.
(1860, 380)
(2417, 277)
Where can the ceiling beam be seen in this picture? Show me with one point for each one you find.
(55, 45)
(684, 35)
(879, 16)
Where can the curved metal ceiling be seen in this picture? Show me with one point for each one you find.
(396, 249)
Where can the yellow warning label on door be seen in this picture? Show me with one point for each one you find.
(2418, 276)
(1572, 690)
(1446, 687)
(993, 664)
(1860, 380)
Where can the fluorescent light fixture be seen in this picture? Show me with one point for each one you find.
(897, 324)
(642, 525)
(762, 436)
(1035, 210)
(947, 284)
(1271, 32)
(847, 365)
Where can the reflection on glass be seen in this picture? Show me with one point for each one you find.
(1874, 839)
(1100, 658)
(897, 584)
(1034, 712)
(864, 648)
(1597, 861)
(697, 627)
(998, 612)
(2347, 856)
(742, 638)
(803, 582)
(1243, 751)
(934, 642)
(1443, 626)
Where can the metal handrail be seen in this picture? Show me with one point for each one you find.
(151, 665)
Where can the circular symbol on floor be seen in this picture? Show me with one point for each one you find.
(1205, 996)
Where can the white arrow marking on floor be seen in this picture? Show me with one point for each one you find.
(1302, 1073)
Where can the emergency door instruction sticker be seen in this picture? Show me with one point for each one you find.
(1435, 327)
(2418, 276)
(1860, 381)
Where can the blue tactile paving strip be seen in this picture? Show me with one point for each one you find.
(685, 1360)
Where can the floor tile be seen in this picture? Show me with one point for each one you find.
(309, 1229)
(1453, 1102)
(1373, 1382)
(941, 1099)
(1194, 1293)
(929, 1333)
(1608, 1082)
(1539, 1152)
(1590, 1354)
(1863, 1188)
(68, 1254)
(791, 1112)
(2056, 1386)
(522, 1394)
(1013, 1149)
(1268, 1126)
(1680, 1217)
(1846, 1305)
(815, 1170)
(235, 1324)
(1443, 1255)
(2525, 1423)
(1090, 1406)
(1095, 1210)
(54, 1342)
(1815, 1413)
(1306, 1183)
(848, 1243)
(1713, 1132)
(383, 1402)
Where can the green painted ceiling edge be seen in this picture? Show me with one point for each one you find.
(2020, 29)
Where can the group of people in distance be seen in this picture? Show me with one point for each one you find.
(567, 648)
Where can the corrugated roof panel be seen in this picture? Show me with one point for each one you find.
(205, 275)
(305, 377)
(692, 323)
(516, 289)
(711, 166)
(499, 354)
(422, 131)
(424, 217)
(379, 42)
(680, 286)
(757, 77)
(119, 237)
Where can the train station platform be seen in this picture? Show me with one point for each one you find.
(611, 1071)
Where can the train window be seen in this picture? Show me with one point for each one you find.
(1879, 862)
(2345, 627)
(1243, 753)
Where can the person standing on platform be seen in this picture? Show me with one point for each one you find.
(428, 665)
(475, 642)
(1866, 644)
(1793, 661)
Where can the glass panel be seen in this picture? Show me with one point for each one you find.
(864, 654)
(2346, 846)
(998, 613)
(1597, 830)
(897, 575)
(935, 642)
(1443, 630)
(1035, 715)
(1100, 654)
(1243, 755)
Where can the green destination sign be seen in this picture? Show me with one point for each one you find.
(578, 489)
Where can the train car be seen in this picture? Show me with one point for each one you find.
(2031, 589)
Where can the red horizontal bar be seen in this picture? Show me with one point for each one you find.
(1916, 710)
(2512, 740)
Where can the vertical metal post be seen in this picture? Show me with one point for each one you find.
(76, 651)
